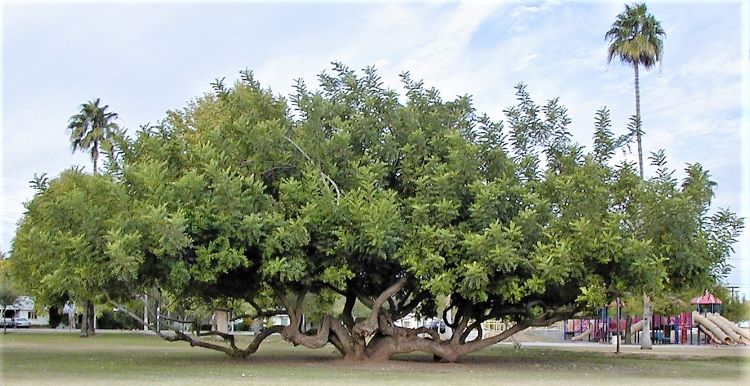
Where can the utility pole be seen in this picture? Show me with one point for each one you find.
(732, 289)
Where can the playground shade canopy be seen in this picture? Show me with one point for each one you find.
(706, 299)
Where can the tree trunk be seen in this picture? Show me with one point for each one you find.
(628, 324)
(5, 323)
(92, 319)
(87, 321)
(95, 154)
(638, 119)
(646, 332)
(71, 317)
(221, 321)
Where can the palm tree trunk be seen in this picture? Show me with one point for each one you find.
(638, 119)
(95, 152)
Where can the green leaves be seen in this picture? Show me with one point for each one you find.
(473, 282)
(284, 270)
(233, 199)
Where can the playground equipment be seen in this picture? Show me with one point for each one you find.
(636, 327)
(744, 334)
(716, 327)
(724, 326)
(705, 320)
(707, 303)
(713, 331)
(584, 335)
(720, 330)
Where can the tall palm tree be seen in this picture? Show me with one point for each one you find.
(91, 128)
(636, 38)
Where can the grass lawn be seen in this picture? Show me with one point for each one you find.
(136, 359)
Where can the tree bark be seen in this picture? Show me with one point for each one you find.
(638, 119)
(628, 324)
(92, 319)
(232, 350)
(71, 317)
(646, 332)
(368, 326)
(85, 319)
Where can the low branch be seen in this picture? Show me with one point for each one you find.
(180, 336)
(459, 329)
(260, 313)
(388, 328)
(476, 325)
(545, 319)
(253, 346)
(292, 334)
(346, 314)
(368, 326)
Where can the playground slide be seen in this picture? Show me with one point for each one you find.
(716, 333)
(738, 334)
(725, 327)
(585, 334)
(636, 327)
(709, 334)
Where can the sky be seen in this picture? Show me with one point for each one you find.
(145, 58)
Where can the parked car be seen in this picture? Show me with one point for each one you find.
(21, 323)
(7, 322)
(437, 325)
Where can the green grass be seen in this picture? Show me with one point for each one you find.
(134, 359)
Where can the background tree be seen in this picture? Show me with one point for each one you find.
(8, 295)
(61, 243)
(91, 129)
(637, 39)
(8, 298)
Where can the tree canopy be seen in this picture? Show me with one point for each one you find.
(403, 204)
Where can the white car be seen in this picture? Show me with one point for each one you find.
(21, 323)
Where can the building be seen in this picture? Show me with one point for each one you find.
(24, 308)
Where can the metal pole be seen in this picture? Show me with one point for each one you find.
(618, 325)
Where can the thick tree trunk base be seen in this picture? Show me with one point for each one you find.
(87, 321)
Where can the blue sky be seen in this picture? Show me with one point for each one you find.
(146, 58)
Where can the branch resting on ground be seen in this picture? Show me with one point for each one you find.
(232, 350)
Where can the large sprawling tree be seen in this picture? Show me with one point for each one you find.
(357, 197)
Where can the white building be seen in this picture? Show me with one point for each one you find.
(24, 308)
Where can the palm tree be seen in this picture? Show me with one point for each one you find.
(91, 128)
(636, 38)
